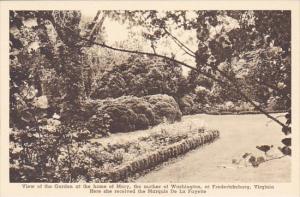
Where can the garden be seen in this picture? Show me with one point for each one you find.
(89, 106)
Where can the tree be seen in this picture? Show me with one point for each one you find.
(45, 82)
(252, 30)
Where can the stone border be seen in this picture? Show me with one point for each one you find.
(155, 158)
(244, 112)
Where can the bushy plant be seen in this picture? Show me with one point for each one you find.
(186, 104)
(99, 123)
(164, 107)
(138, 76)
(129, 113)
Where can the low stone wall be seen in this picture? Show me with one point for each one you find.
(244, 112)
(155, 158)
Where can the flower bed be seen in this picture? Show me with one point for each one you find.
(146, 152)
(60, 156)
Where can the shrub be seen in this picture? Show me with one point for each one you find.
(138, 76)
(123, 118)
(275, 103)
(141, 107)
(244, 106)
(129, 113)
(186, 104)
(164, 107)
(142, 122)
(99, 124)
(202, 94)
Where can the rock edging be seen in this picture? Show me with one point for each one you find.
(155, 158)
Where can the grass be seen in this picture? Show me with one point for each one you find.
(239, 134)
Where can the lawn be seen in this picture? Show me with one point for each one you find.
(239, 134)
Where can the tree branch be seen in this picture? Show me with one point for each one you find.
(180, 44)
(237, 87)
(139, 52)
(93, 25)
(97, 25)
(153, 47)
(208, 75)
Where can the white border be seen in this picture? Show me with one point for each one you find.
(12, 189)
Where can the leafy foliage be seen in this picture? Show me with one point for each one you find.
(129, 113)
(139, 77)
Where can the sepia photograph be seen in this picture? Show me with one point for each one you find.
(149, 98)
(121, 96)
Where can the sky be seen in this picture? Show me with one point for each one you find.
(117, 32)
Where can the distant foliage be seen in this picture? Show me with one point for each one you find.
(186, 104)
(139, 76)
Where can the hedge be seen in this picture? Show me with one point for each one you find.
(129, 113)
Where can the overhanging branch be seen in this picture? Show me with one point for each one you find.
(208, 75)
(180, 44)
(236, 85)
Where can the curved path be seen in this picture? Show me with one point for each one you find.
(239, 134)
